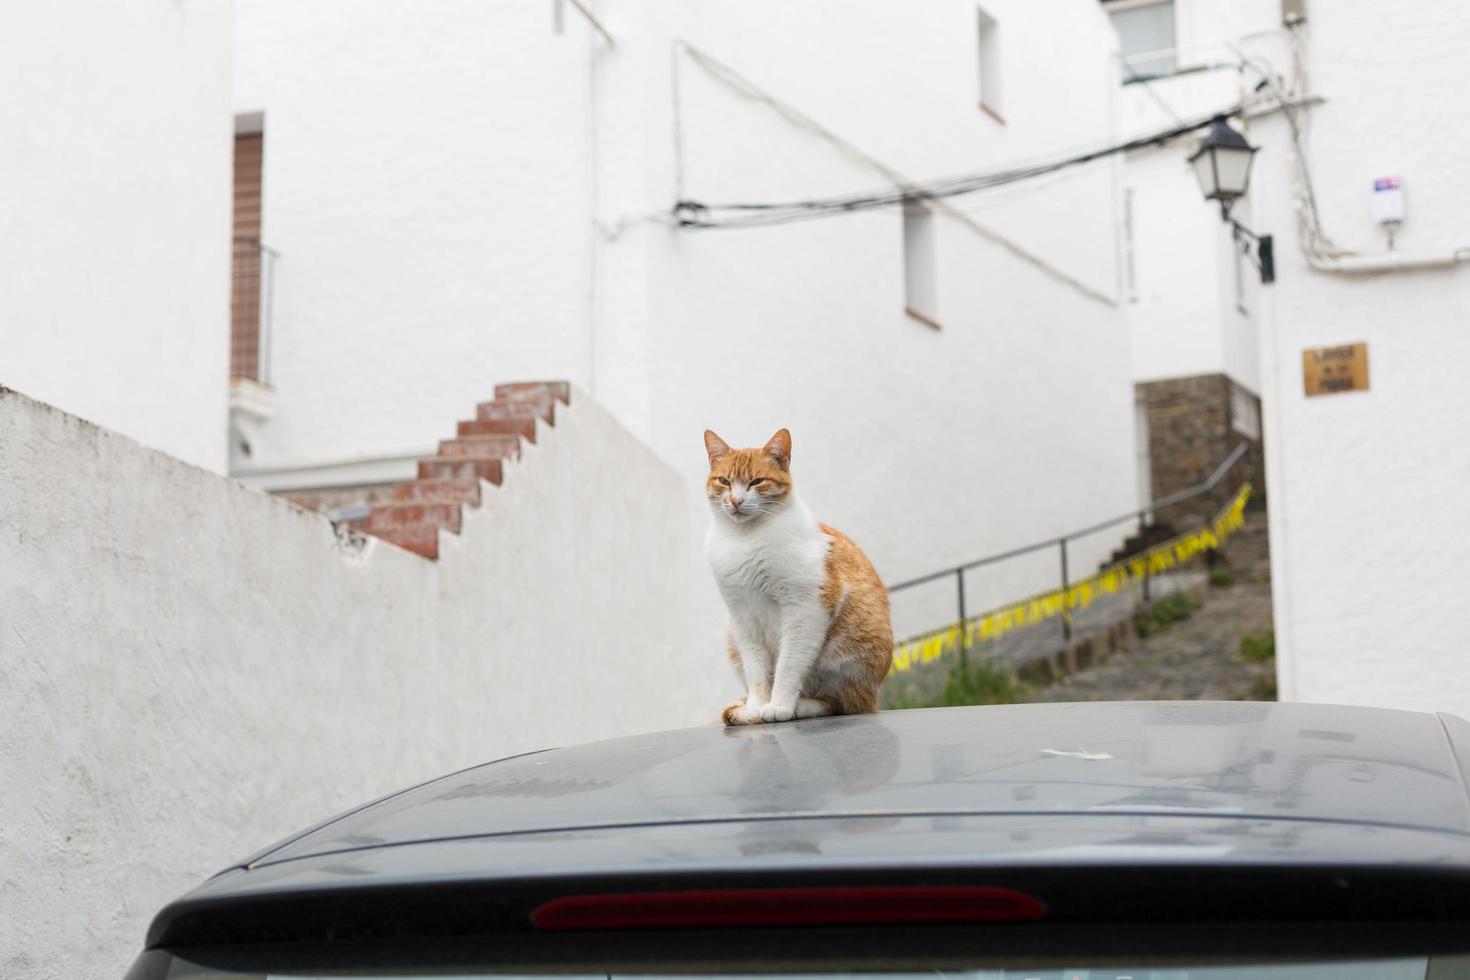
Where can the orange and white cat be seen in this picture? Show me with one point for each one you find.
(809, 628)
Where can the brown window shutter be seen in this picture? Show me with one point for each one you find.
(245, 293)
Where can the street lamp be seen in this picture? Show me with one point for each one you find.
(1223, 165)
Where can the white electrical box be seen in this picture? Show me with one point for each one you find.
(1388, 200)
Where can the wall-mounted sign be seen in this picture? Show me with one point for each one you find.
(1332, 370)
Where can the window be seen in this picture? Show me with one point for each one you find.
(1245, 413)
(989, 52)
(1146, 34)
(246, 293)
(919, 290)
(1269, 968)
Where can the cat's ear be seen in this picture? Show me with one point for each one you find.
(714, 445)
(779, 449)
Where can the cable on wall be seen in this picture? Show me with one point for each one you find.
(747, 89)
(697, 214)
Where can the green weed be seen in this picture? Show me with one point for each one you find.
(1257, 648)
(1165, 612)
(981, 683)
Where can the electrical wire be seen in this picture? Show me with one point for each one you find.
(697, 214)
(1022, 191)
(1315, 242)
(1147, 83)
(745, 88)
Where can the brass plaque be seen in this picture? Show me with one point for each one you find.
(1333, 370)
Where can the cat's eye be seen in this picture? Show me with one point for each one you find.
(759, 479)
(723, 481)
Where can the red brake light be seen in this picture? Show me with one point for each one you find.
(788, 907)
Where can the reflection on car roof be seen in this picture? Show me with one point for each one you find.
(1299, 763)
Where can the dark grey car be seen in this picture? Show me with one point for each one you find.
(1149, 839)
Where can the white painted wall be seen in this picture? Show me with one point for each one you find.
(115, 233)
(1202, 27)
(1367, 489)
(1179, 301)
(428, 183)
(1011, 423)
(1185, 312)
(193, 669)
(1367, 532)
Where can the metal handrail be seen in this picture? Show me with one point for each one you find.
(1173, 498)
(1061, 542)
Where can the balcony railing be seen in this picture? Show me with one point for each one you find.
(250, 309)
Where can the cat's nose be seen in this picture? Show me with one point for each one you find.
(735, 502)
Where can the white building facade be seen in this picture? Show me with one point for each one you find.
(1364, 480)
(114, 282)
(1189, 292)
(486, 195)
(1369, 535)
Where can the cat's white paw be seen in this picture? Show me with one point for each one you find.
(774, 713)
(741, 714)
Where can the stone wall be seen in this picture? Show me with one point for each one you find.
(1193, 424)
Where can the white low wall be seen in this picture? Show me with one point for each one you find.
(190, 670)
(115, 232)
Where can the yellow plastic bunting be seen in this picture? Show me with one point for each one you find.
(1079, 595)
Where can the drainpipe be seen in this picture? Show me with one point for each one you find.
(1276, 478)
(1357, 265)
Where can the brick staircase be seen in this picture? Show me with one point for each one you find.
(1248, 547)
(446, 482)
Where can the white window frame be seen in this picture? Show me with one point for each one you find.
(920, 278)
(1245, 412)
(1110, 5)
(1117, 6)
(989, 64)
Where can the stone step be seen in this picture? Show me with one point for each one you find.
(439, 491)
(543, 408)
(481, 447)
(411, 514)
(527, 390)
(462, 468)
(1140, 542)
(522, 426)
(421, 539)
(421, 508)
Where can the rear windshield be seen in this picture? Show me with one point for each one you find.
(1409, 968)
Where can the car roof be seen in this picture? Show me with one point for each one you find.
(1223, 760)
(1089, 806)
